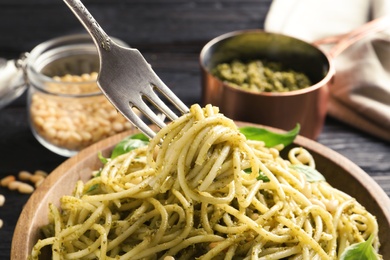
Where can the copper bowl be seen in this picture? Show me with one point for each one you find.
(307, 106)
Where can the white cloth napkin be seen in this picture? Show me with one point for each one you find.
(360, 94)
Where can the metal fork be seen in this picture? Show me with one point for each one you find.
(125, 77)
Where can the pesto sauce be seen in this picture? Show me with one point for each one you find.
(260, 76)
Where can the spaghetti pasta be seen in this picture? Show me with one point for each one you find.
(195, 192)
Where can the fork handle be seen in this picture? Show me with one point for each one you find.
(101, 39)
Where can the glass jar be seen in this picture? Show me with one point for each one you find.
(67, 111)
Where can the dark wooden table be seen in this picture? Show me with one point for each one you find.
(170, 34)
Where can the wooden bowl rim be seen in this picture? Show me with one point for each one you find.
(22, 243)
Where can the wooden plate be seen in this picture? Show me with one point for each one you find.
(339, 172)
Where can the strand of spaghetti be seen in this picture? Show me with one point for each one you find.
(56, 249)
(154, 142)
(220, 183)
(303, 237)
(361, 222)
(297, 196)
(340, 209)
(110, 166)
(36, 250)
(216, 132)
(253, 225)
(204, 218)
(294, 159)
(228, 220)
(56, 218)
(263, 209)
(76, 231)
(188, 207)
(122, 194)
(132, 229)
(144, 248)
(161, 151)
(238, 229)
(68, 246)
(100, 246)
(215, 169)
(135, 177)
(163, 221)
(76, 203)
(217, 120)
(282, 253)
(252, 249)
(196, 175)
(255, 163)
(319, 191)
(210, 110)
(284, 173)
(263, 155)
(305, 255)
(194, 149)
(259, 166)
(179, 223)
(231, 251)
(240, 191)
(132, 253)
(167, 149)
(128, 160)
(253, 190)
(222, 245)
(201, 196)
(107, 219)
(83, 241)
(78, 190)
(208, 238)
(319, 229)
(209, 198)
(307, 226)
(135, 215)
(91, 185)
(177, 147)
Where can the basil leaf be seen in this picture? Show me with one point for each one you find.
(92, 188)
(139, 136)
(261, 177)
(268, 137)
(360, 251)
(312, 175)
(103, 159)
(129, 143)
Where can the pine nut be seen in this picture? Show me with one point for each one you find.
(25, 188)
(24, 175)
(1, 223)
(39, 182)
(14, 185)
(6, 180)
(2, 200)
(40, 172)
(35, 178)
(74, 123)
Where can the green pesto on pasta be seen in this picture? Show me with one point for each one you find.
(194, 192)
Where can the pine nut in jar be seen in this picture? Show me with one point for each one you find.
(67, 110)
